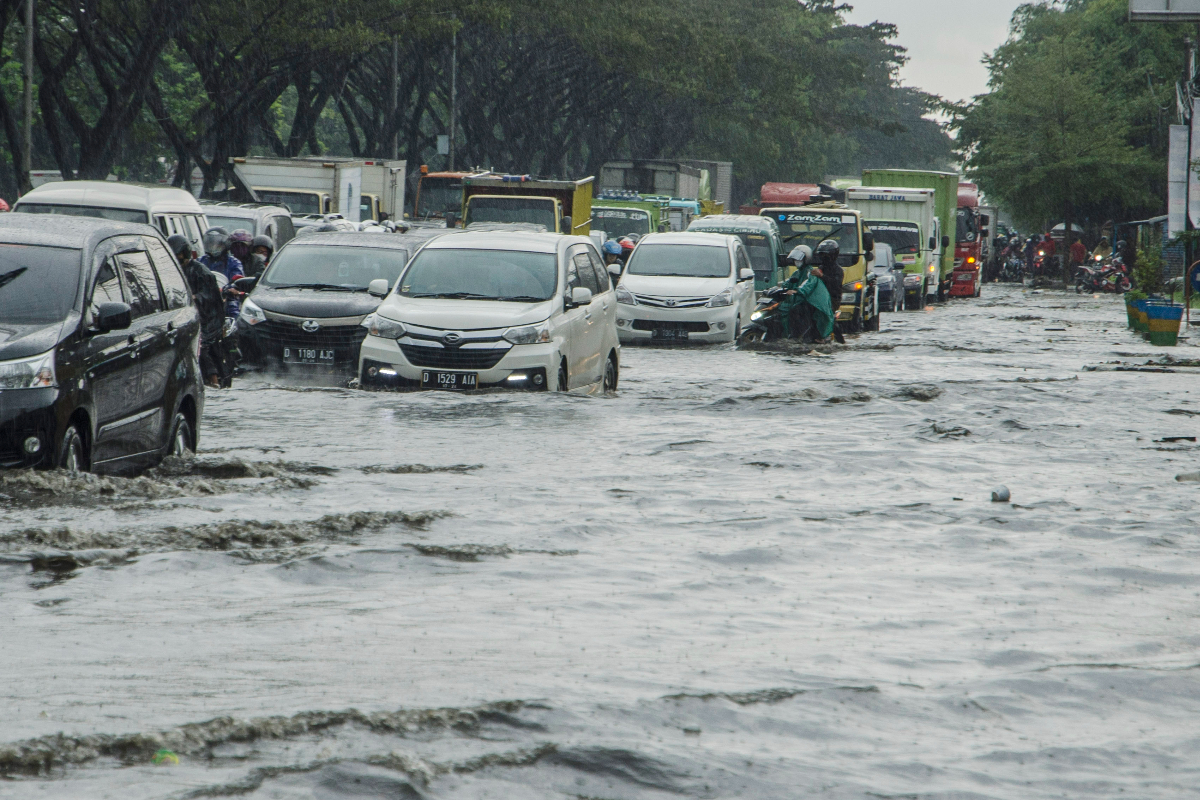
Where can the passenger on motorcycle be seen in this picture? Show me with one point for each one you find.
(612, 252)
(1104, 249)
(261, 251)
(806, 311)
(218, 259)
(207, 296)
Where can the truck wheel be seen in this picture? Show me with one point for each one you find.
(873, 323)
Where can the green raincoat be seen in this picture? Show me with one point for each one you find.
(811, 290)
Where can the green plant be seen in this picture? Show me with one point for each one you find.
(1135, 294)
(1147, 272)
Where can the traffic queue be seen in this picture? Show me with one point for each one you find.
(127, 301)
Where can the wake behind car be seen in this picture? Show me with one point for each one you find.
(99, 346)
(306, 310)
(497, 308)
(686, 287)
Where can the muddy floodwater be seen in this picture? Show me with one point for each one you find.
(749, 574)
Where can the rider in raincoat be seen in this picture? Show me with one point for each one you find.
(806, 299)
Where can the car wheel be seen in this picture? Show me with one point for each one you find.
(180, 443)
(737, 329)
(610, 375)
(71, 454)
(562, 376)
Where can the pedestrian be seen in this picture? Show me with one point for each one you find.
(206, 294)
(1079, 253)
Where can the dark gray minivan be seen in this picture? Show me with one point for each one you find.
(98, 346)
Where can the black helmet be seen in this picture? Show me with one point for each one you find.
(828, 250)
(262, 240)
(216, 242)
(181, 247)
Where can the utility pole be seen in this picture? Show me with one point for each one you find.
(453, 97)
(27, 145)
(395, 105)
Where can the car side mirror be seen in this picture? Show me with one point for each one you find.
(581, 296)
(378, 287)
(614, 270)
(945, 242)
(746, 274)
(246, 285)
(113, 317)
(567, 227)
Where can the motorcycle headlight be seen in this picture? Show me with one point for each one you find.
(251, 314)
(383, 327)
(529, 334)
(624, 296)
(725, 298)
(756, 316)
(28, 373)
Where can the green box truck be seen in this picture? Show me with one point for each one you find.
(945, 186)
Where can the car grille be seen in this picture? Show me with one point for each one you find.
(669, 325)
(453, 357)
(671, 302)
(344, 340)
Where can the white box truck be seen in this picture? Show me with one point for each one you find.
(357, 189)
(907, 220)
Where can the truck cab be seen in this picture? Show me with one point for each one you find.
(825, 219)
(967, 279)
(906, 219)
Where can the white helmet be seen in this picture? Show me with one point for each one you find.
(801, 255)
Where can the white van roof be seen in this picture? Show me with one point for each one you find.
(110, 194)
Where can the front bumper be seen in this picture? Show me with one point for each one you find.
(642, 323)
(281, 341)
(964, 282)
(382, 363)
(26, 413)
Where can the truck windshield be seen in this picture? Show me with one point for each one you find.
(681, 261)
(296, 202)
(334, 267)
(115, 214)
(533, 210)
(440, 196)
(507, 275)
(967, 225)
(619, 222)
(904, 237)
(813, 227)
(37, 284)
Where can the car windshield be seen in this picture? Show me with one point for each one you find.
(533, 210)
(440, 196)
(333, 267)
(513, 275)
(813, 227)
(904, 237)
(681, 260)
(296, 202)
(115, 214)
(619, 222)
(38, 284)
(230, 224)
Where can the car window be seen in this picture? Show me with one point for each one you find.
(601, 270)
(174, 286)
(144, 298)
(107, 286)
(743, 262)
(587, 275)
(194, 232)
(572, 276)
(285, 232)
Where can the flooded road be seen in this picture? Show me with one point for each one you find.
(749, 574)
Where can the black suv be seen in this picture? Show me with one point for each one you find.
(98, 346)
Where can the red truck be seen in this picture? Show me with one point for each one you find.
(783, 195)
(967, 278)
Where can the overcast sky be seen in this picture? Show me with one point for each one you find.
(945, 39)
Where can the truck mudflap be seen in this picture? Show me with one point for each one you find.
(964, 283)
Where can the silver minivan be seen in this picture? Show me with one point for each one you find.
(170, 209)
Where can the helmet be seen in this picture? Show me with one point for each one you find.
(628, 243)
(180, 246)
(263, 240)
(612, 247)
(1121, 245)
(216, 242)
(241, 235)
(828, 250)
(3, 206)
(801, 255)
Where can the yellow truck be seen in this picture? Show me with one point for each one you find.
(558, 206)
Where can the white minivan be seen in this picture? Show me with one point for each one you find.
(680, 287)
(170, 209)
(490, 309)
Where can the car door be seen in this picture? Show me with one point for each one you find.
(154, 340)
(112, 372)
(182, 328)
(592, 328)
(608, 305)
(576, 325)
(743, 290)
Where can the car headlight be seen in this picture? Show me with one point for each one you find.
(383, 327)
(624, 296)
(912, 279)
(251, 313)
(725, 298)
(28, 373)
(884, 280)
(529, 334)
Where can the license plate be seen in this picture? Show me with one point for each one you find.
(308, 355)
(669, 335)
(452, 381)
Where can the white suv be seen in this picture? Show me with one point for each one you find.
(685, 287)
(496, 308)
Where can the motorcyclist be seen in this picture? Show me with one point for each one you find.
(1103, 249)
(218, 259)
(240, 242)
(830, 272)
(1049, 249)
(1031, 249)
(806, 310)
(261, 250)
(627, 245)
(612, 252)
(207, 296)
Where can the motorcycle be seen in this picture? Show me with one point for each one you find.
(1013, 269)
(1097, 277)
(766, 323)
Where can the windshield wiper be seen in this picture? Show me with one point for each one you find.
(829, 235)
(523, 298)
(454, 295)
(8, 277)
(319, 287)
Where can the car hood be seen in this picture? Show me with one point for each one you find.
(23, 341)
(661, 286)
(465, 315)
(314, 304)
